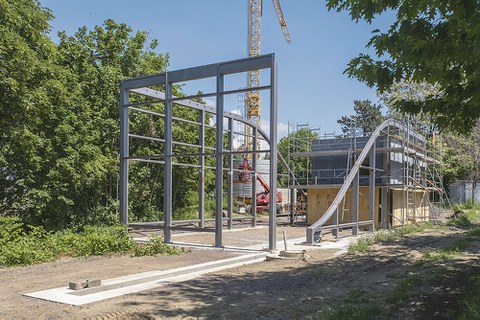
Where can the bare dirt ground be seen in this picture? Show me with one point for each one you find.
(278, 289)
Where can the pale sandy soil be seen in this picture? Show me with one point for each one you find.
(279, 289)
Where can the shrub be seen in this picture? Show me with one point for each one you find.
(22, 244)
(155, 246)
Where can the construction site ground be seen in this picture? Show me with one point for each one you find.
(276, 289)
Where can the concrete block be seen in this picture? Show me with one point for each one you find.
(77, 285)
(91, 283)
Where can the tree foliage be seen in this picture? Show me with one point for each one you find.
(433, 42)
(296, 142)
(462, 156)
(59, 122)
(367, 117)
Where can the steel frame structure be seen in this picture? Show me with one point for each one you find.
(143, 86)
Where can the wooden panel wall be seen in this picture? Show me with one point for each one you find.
(319, 200)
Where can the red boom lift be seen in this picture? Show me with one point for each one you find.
(263, 197)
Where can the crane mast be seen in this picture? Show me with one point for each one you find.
(253, 97)
(252, 102)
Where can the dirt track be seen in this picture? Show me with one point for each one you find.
(279, 289)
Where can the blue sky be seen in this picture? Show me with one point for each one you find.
(312, 86)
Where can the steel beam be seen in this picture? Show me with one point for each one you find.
(230, 174)
(292, 205)
(273, 156)
(219, 162)
(254, 178)
(355, 198)
(168, 167)
(372, 207)
(201, 173)
(336, 222)
(123, 192)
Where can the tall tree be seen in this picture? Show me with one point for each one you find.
(434, 42)
(101, 58)
(462, 156)
(367, 117)
(296, 142)
(38, 104)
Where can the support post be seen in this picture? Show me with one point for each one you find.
(219, 163)
(384, 208)
(168, 166)
(273, 157)
(123, 192)
(372, 208)
(355, 197)
(254, 178)
(292, 204)
(336, 230)
(201, 175)
(230, 174)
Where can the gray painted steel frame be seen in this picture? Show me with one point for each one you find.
(218, 70)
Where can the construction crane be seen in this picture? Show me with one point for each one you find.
(252, 102)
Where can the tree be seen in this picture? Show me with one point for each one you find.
(100, 59)
(59, 122)
(38, 119)
(295, 142)
(434, 42)
(367, 117)
(462, 156)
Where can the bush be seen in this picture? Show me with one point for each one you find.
(155, 246)
(22, 244)
(94, 241)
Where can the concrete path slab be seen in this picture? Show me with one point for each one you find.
(142, 281)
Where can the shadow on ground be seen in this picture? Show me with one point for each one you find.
(282, 289)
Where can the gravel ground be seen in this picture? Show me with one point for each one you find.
(278, 289)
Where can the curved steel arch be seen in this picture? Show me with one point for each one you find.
(352, 178)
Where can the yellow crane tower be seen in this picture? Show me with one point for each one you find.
(252, 102)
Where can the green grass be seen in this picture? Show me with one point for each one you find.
(470, 302)
(404, 288)
(22, 244)
(466, 218)
(356, 306)
(363, 244)
(469, 205)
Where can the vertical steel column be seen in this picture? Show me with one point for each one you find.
(219, 163)
(254, 177)
(387, 173)
(355, 197)
(336, 230)
(292, 203)
(123, 192)
(384, 208)
(372, 207)
(273, 157)
(201, 175)
(168, 167)
(230, 174)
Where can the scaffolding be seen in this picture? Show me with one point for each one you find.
(397, 166)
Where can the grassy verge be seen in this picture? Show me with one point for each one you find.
(357, 305)
(470, 302)
(404, 288)
(22, 244)
(363, 244)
